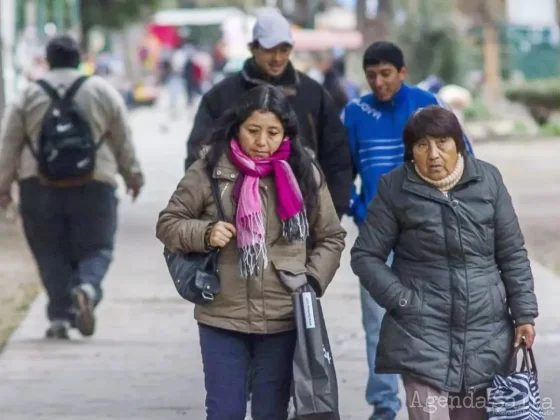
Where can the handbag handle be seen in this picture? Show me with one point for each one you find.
(528, 364)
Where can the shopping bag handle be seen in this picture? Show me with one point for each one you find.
(528, 356)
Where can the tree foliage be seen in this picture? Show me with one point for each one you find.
(113, 14)
(431, 43)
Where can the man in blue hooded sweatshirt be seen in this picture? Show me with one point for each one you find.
(375, 123)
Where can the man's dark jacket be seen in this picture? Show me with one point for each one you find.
(321, 128)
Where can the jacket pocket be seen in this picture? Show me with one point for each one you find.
(408, 310)
(290, 265)
(489, 238)
(499, 299)
(277, 295)
(290, 274)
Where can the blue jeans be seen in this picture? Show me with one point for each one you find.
(175, 86)
(70, 232)
(228, 356)
(382, 389)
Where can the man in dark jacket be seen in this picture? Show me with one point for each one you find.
(320, 126)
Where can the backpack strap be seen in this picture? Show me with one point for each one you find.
(71, 91)
(53, 94)
(55, 97)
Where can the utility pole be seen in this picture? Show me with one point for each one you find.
(491, 50)
(2, 82)
(412, 7)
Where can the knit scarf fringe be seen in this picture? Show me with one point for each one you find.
(251, 257)
(296, 228)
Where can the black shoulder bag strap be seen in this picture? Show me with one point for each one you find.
(213, 256)
(216, 195)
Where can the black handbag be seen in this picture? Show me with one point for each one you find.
(195, 274)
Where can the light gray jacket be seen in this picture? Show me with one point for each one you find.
(103, 108)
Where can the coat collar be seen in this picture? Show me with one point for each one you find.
(416, 185)
(398, 98)
(225, 169)
(287, 82)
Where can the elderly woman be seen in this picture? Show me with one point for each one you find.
(285, 233)
(460, 286)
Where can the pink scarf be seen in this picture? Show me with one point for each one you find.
(249, 219)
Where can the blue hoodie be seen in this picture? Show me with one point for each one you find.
(375, 131)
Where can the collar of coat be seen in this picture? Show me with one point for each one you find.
(414, 184)
(288, 82)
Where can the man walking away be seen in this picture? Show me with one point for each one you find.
(319, 120)
(64, 140)
(375, 123)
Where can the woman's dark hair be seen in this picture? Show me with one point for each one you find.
(432, 121)
(266, 98)
(63, 51)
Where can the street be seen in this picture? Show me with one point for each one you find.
(144, 361)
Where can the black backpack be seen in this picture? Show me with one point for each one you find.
(66, 147)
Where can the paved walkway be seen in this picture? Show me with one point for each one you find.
(144, 362)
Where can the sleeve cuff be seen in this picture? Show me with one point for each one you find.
(315, 284)
(525, 320)
(207, 232)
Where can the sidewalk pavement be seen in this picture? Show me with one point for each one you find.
(144, 361)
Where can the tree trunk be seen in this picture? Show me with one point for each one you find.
(384, 18)
(2, 82)
(361, 20)
(491, 53)
(378, 28)
(301, 13)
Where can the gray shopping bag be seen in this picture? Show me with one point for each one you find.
(315, 388)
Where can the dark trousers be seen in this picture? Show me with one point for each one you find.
(227, 357)
(70, 232)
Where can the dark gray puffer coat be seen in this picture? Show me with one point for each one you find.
(460, 278)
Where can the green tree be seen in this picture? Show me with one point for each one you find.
(113, 14)
(431, 43)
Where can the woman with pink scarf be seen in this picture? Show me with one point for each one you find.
(281, 232)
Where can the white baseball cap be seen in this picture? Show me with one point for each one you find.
(272, 29)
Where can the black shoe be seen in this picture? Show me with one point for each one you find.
(58, 330)
(383, 414)
(85, 320)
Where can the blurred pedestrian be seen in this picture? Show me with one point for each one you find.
(375, 124)
(65, 155)
(458, 98)
(321, 129)
(459, 294)
(274, 199)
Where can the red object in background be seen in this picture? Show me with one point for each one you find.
(198, 73)
(167, 35)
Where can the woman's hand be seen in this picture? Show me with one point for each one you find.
(526, 332)
(221, 234)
